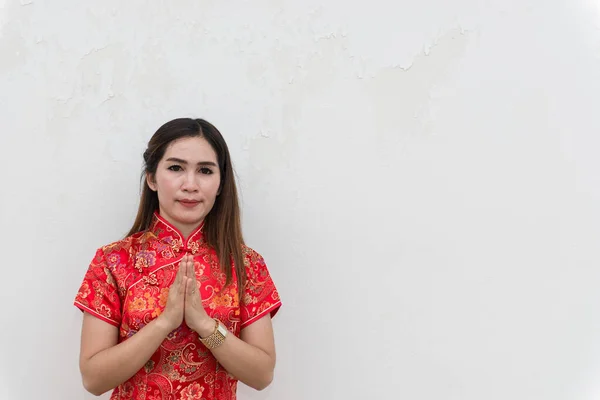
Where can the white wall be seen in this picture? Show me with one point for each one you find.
(421, 176)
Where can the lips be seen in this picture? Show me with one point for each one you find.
(189, 203)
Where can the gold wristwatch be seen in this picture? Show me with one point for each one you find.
(216, 338)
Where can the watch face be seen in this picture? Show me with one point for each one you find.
(222, 330)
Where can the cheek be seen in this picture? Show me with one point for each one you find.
(214, 189)
(166, 187)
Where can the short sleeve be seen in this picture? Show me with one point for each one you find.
(98, 294)
(260, 296)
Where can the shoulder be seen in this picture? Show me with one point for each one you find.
(251, 256)
(256, 266)
(260, 294)
(254, 262)
(120, 252)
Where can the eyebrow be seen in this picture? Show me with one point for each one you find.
(201, 163)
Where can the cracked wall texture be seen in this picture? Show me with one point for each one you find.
(421, 176)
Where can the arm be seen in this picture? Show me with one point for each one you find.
(251, 358)
(104, 364)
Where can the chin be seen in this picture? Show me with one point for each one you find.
(191, 219)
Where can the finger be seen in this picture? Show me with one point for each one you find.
(189, 289)
(194, 292)
(192, 274)
(182, 289)
(183, 268)
(196, 289)
(183, 265)
(178, 276)
(190, 269)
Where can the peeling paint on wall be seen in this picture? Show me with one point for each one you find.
(426, 170)
(397, 114)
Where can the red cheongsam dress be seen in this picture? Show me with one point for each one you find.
(127, 284)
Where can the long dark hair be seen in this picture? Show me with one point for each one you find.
(222, 226)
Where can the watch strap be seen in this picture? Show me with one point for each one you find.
(216, 338)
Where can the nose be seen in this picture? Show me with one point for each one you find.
(189, 183)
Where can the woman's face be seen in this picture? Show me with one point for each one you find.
(187, 181)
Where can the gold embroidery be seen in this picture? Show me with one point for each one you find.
(176, 245)
(194, 246)
(121, 287)
(150, 279)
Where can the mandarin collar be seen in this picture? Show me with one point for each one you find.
(164, 231)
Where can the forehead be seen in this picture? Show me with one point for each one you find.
(191, 149)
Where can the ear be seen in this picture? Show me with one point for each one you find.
(151, 181)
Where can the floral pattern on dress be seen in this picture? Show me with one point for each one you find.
(127, 285)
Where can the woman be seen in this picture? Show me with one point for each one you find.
(181, 308)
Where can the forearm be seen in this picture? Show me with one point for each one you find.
(249, 364)
(111, 367)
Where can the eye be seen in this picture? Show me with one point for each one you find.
(206, 171)
(174, 168)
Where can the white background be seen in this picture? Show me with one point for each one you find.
(422, 178)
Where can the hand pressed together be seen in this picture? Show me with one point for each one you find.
(184, 302)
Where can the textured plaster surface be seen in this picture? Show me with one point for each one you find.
(421, 177)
